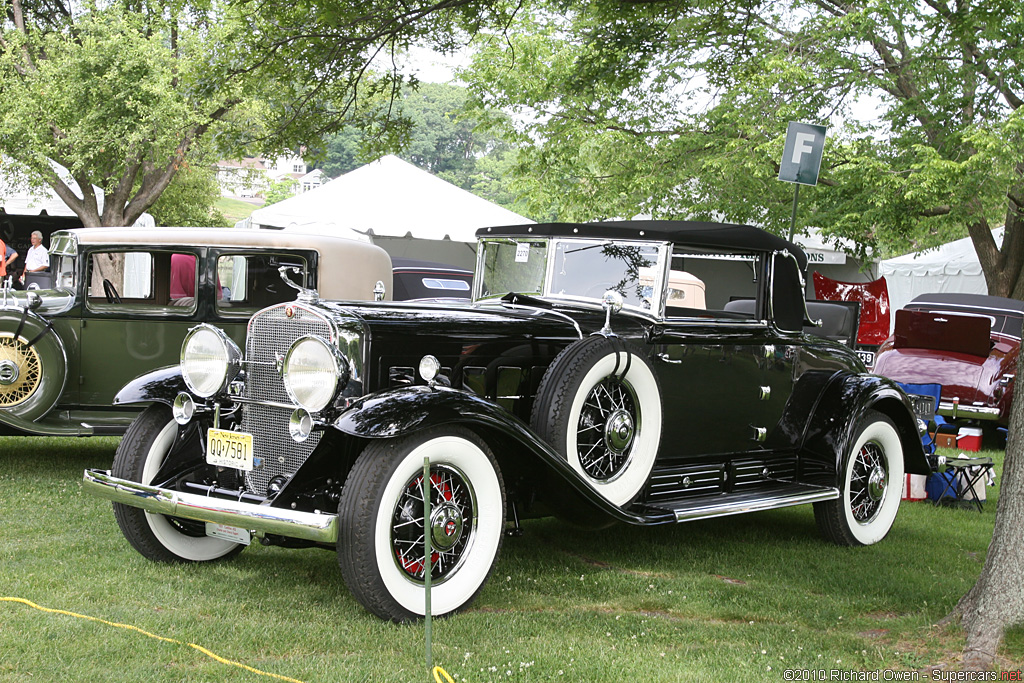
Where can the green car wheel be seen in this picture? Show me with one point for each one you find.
(33, 365)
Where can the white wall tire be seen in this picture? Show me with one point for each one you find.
(871, 486)
(139, 456)
(599, 406)
(379, 562)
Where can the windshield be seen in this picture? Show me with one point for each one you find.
(577, 268)
(511, 265)
(589, 268)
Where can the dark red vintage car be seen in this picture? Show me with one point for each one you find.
(968, 343)
(873, 297)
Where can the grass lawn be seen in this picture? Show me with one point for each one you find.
(739, 598)
(235, 210)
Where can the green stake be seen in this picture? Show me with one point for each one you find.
(426, 560)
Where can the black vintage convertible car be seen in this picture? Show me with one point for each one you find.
(639, 372)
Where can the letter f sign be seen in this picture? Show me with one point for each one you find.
(801, 146)
(801, 157)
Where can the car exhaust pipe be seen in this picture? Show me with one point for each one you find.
(262, 519)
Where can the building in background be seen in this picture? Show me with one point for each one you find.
(252, 176)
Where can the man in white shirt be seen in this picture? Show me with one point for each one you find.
(37, 259)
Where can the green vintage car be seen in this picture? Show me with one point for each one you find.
(118, 302)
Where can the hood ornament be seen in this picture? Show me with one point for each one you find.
(309, 296)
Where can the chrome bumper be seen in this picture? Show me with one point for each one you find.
(261, 519)
(955, 410)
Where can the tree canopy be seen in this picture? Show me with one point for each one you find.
(439, 138)
(123, 92)
(680, 110)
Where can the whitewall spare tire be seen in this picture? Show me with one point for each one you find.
(599, 406)
(33, 365)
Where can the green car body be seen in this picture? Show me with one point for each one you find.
(118, 302)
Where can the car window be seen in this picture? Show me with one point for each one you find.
(1013, 326)
(249, 282)
(589, 268)
(512, 265)
(713, 284)
(65, 268)
(146, 281)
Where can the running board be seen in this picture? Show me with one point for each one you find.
(722, 504)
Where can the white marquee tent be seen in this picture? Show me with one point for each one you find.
(405, 210)
(952, 267)
(19, 197)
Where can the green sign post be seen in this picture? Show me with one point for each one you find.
(801, 160)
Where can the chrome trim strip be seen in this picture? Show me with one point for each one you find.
(951, 409)
(732, 508)
(310, 526)
(929, 305)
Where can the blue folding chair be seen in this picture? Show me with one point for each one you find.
(934, 391)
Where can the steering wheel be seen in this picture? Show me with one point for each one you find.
(111, 292)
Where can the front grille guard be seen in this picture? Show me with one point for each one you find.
(263, 414)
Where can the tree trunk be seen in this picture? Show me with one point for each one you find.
(996, 601)
(1002, 265)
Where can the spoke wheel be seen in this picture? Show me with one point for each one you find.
(609, 421)
(869, 479)
(451, 525)
(872, 481)
(599, 406)
(382, 525)
(20, 371)
(33, 365)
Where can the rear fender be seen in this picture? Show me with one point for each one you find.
(158, 386)
(828, 436)
(397, 412)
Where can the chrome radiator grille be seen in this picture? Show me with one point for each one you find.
(271, 332)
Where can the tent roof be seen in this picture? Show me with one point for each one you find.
(953, 258)
(389, 197)
(20, 198)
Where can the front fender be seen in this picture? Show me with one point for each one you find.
(396, 412)
(829, 433)
(158, 386)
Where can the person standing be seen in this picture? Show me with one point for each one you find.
(37, 259)
(7, 258)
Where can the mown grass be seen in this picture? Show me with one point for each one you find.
(234, 210)
(740, 598)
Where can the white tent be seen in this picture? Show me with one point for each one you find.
(20, 197)
(406, 210)
(952, 267)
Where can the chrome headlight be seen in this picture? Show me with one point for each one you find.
(314, 373)
(209, 360)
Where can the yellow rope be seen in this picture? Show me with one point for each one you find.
(437, 678)
(153, 635)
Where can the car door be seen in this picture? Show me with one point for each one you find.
(139, 304)
(723, 374)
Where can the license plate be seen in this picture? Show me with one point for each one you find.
(228, 533)
(868, 357)
(229, 449)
